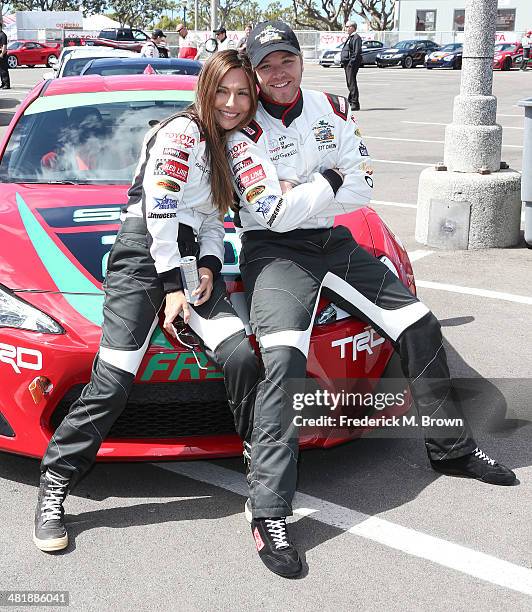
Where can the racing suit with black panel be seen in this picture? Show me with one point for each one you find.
(291, 252)
(169, 215)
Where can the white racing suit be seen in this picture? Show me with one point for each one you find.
(169, 215)
(291, 252)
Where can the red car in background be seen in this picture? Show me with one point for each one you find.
(31, 53)
(507, 56)
(59, 223)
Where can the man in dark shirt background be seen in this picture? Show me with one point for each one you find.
(4, 72)
(351, 58)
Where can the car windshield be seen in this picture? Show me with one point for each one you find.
(451, 47)
(504, 47)
(139, 68)
(75, 65)
(96, 140)
(14, 45)
(406, 44)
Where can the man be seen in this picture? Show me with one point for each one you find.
(4, 68)
(526, 41)
(188, 46)
(222, 40)
(242, 42)
(297, 165)
(150, 47)
(351, 59)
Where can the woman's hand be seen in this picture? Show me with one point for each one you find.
(205, 287)
(175, 303)
(286, 186)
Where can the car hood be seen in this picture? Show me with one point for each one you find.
(56, 237)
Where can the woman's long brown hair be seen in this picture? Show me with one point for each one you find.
(203, 112)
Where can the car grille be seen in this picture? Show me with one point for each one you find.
(166, 410)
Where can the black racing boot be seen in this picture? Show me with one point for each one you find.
(274, 547)
(476, 465)
(49, 533)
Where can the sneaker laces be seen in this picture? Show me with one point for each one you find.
(54, 496)
(482, 455)
(277, 530)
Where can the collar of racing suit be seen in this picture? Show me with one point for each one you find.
(285, 112)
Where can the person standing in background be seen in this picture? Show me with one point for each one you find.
(221, 38)
(151, 46)
(4, 72)
(188, 45)
(243, 41)
(526, 41)
(351, 58)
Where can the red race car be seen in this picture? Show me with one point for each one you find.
(60, 220)
(507, 56)
(31, 53)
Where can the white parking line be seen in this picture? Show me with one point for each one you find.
(397, 161)
(504, 127)
(419, 254)
(494, 295)
(366, 137)
(415, 543)
(397, 204)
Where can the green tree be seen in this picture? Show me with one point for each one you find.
(137, 13)
(275, 10)
(332, 14)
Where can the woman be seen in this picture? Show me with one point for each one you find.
(176, 205)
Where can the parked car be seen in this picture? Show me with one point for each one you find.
(370, 49)
(407, 53)
(138, 65)
(327, 56)
(507, 56)
(449, 56)
(63, 218)
(73, 59)
(31, 53)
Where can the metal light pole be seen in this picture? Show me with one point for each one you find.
(472, 201)
(196, 9)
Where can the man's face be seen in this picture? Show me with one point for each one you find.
(349, 29)
(279, 76)
(183, 32)
(220, 36)
(247, 30)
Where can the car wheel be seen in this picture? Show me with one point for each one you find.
(507, 64)
(408, 62)
(457, 65)
(428, 67)
(48, 60)
(12, 61)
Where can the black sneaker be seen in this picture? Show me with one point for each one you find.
(476, 465)
(49, 533)
(274, 548)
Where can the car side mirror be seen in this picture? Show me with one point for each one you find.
(211, 45)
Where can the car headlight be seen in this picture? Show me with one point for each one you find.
(498, 57)
(448, 58)
(16, 313)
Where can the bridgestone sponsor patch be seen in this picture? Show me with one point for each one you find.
(169, 185)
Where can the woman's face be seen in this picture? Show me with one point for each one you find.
(233, 99)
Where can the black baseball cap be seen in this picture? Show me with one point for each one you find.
(158, 34)
(220, 31)
(268, 37)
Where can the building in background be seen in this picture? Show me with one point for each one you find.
(448, 15)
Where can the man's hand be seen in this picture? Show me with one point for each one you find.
(175, 303)
(205, 287)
